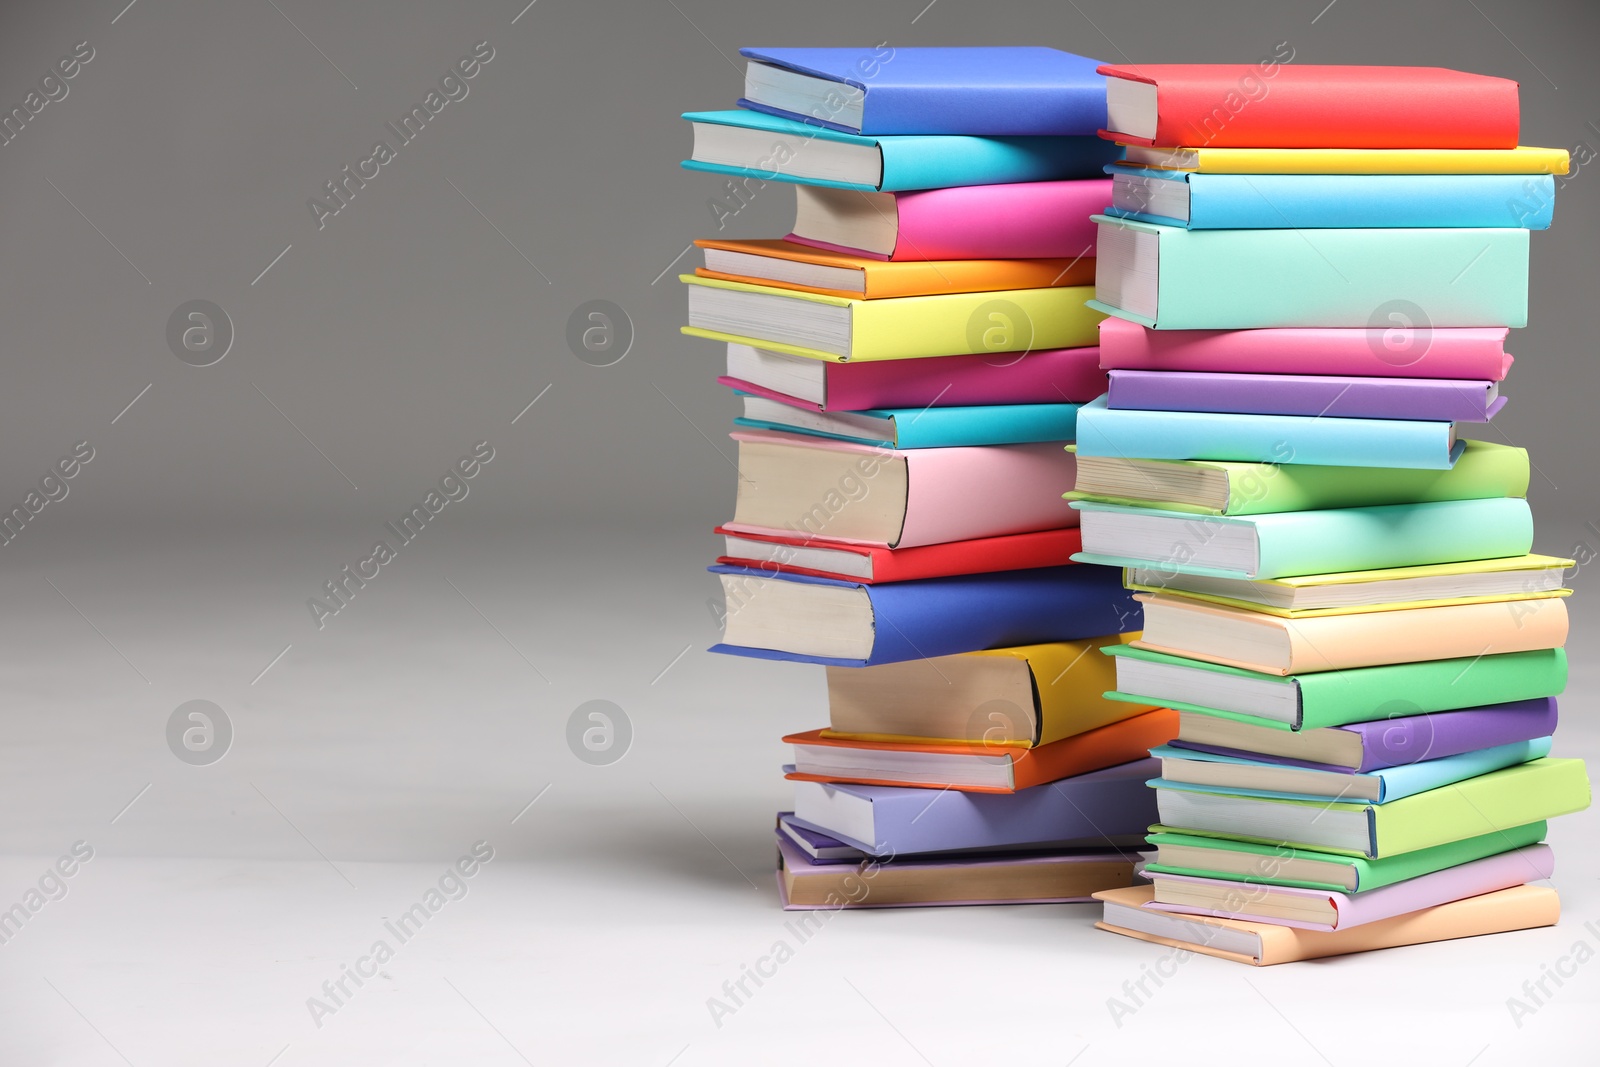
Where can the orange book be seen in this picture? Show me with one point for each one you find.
(817, 270)
(977, 768)
(1521, 907)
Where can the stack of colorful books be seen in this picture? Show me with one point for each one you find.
(1309, 292)
(911, 361)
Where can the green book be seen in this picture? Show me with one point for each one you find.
(1217, 856)
(1490, 803)
(1170, 278)
(1334, 698)
(1213, 487)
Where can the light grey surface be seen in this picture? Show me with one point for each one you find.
(428, 713)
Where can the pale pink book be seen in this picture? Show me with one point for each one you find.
(1028, 220)
(1388, 350)
(946, 494)
(1491, 873)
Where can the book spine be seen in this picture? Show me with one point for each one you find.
(1392, 535)
(1032, 220)
(1004, 378)
(1364, 201)
(1338, 698)
(1480, 473)
(941, 162)
(1405, 739)
(1315, 396)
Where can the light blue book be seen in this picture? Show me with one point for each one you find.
(1003, 424)
(1202, 201)
(1206, 772)
(1284, 544)
(761, 147)
(1129, 433)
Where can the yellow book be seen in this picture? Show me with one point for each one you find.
(839, 329)
(1520, 160)
(1511, 578)
(1004, 697)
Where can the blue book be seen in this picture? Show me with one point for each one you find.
(838, 623)
(762, 148)
(998, 424)
(993, 91)
(1206, 772)
(1132, 433)
(1203, 201)
(1284, 544)
(1103, 808)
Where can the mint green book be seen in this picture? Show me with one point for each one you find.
(1206, 855)
(1490, 803)
(1376, 279)
(1335, 698)
(1217, 487)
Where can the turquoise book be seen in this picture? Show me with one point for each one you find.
(1133, 433)
(1171, 278)
(1286, 544)
(906, 428)
(1217, 773)
(1200, 201)
(762, 148)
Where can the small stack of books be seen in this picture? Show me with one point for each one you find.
(1310, 290)
(911, 361)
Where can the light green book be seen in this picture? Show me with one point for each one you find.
(1171, 278)
(1216, 856)
(1214, 487)
(1490, 803)
(1335, 698)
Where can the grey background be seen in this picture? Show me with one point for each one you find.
(429, 713)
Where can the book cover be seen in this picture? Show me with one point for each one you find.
(1368, 639)
(1484, 470)
(1519, 908)
(1375, 694)
(1300, 439)
(1394, 343)
(951, 427)
(1102, 808)
(1310, 395)
(881, 279)
(915, 161)
(1524, 159)
(965, 613)
(1530, 864)
(1106, 746)
(1305, 105)
(991, 90)
(983, 555)
(1267, 863)
(912, 327)
(1048, 376)
(1402, 740)
(1289, 543)
(1241, 279)
(1354, 201)
(1025, 220)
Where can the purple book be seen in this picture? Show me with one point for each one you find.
(1413, 399)
(1323, 909)
(1399, 742)
(1109, 808)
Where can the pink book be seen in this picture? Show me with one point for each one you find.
(1049, 376)
(1471, 353)
(951, 494)
(1028, 220)
(1528, 864)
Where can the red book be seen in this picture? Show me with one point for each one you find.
(785, 553)
(1276, 105)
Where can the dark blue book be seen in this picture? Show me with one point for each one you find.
(846, 624)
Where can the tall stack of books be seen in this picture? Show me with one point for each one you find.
(1311, 273)
(911, 361)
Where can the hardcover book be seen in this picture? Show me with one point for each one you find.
(1240, 279)
(1207, 159)
(1016, 90)
(1312, 395)
(951, 427)
(788, 553)
(749, 144)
